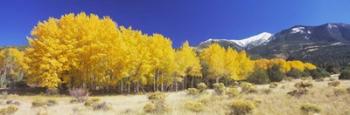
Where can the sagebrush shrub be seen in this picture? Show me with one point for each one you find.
(149, 108)
(340, 91)
(194, 106)
(192, 91)
(51, 102)
(102, 106)
(156, 96)
(219, 88)
(310, 109)
(298, 92)
(248, 87)
(202, 87)
(334, 83)
(266, 91)
(157, 103)
(232, 92)
(39, 103)
(9, 110)
(242, 107)
(273, 85)
(303, 84)
(91, 102)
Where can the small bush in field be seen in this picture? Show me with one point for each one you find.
(310, 109)
(332, 79)
(202, 87)
(242, 107)
(9, 110)
(348, 89)
(194, 106)
(157, 103)
(149, 108)
(156, 96)
(248, 87)
(340, 91)
(273, 85)
(219, 88)
(102, 106)
(79, 94)
(334, 83)
(345, 74)
(266, 91)
(192, 91)
(259, 76)
(303, 84)
(13, 102)
(51, 102)
(91, 102)
(232, 92)
(39, 103)
(298, 92)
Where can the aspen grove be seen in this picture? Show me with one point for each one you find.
(86, 51)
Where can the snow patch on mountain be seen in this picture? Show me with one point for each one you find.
(298, 30)
(256, 40)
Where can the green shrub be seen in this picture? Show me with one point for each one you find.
(340, 91)
(259, 76)
(332, 79)
(319, 73)
(194, 106)
(242, 107)
(232, 92)
(273, 85)
(310, 109)
(275, 74)
(219, 88)
(248, 87)
(9, 110)
(345, 74)
(192, 91)
(295, 73)
(202, 87)
(334, 83)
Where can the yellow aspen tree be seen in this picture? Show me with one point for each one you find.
(163, 60)
(213, 58)
(188, 63)
(231, 63)
(70, 50)
(11, 66)
(246, 65)
(309, 66)
(296, 64)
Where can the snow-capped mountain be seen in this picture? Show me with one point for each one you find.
(246, 43)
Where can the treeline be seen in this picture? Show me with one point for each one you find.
(85, 51)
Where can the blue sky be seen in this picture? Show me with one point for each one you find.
(180, 20)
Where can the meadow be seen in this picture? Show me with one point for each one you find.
(324, 97)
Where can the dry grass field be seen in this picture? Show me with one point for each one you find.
(270, 101)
